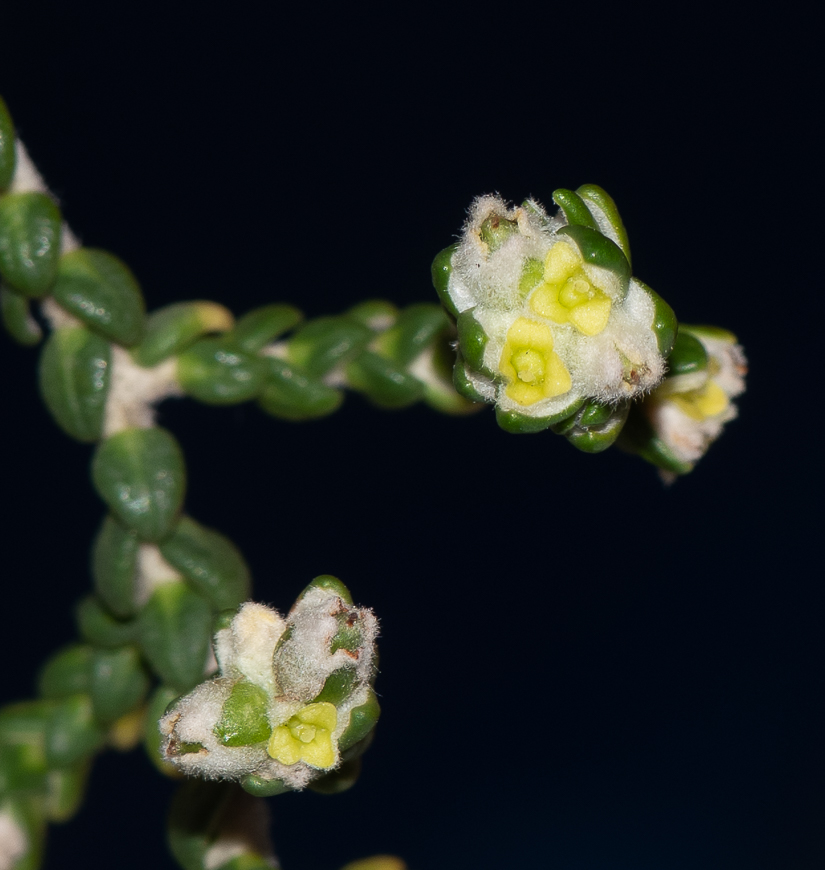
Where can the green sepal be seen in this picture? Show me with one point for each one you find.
(574, 208)
(291, 395)
(17, 318)
(140, 475)
(362, 720)
(159, 702)
(338, 780)
(72, 734)
(171, 329)
(66, 673)
(665, 325)
(472, 340)
(215, 372)
(441, 270)
(462, 383)
(606, 211)
(243, 717)
(210, 562)
(119, 683)
(638, 437)
(99, 627)
(260, 787)
(8, 156)
(115, 566)
(66, 790)
(329, 584)
(327, 342)
(257, 328)
(75, 369)
(98, 289)
(384, 382)
(522, 424)
(338, 686)
(174, 633)
(598, 250)
(413, 332)
(29, 242)
(688, 355)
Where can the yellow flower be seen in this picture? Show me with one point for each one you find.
(534, 370)
(306, 736)
(567, 295)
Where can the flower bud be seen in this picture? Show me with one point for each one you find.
(674, 426)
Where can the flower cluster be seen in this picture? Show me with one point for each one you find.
(553, 328)
(293, 700)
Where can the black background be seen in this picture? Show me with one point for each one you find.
(580, 668)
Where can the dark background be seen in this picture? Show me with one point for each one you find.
(581, 668)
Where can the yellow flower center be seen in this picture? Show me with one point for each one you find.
(306, 736)
(566, 294)
(534, 370)
(707, 401)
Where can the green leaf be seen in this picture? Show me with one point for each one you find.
(115, 565)
(75, 371)
(521, 424)
(158, 703)
(327, 342)
(210, 562)
(329, 584)
(99, 627)
(243, 717)
(8, 157)
(140, 475)
(594, 431)
(260, 787)
(289, 393)
(17, 318)
(259, 327)
(340, 779)
(66, 789)
(171, 329)
(462, 383)
(472, 339)
(413, 332)
(598, 250)
(574, 208)
(215, 372)
(603, 209)
(29, 242)
(338, 686)
(665, 325)
(362, 721)
(67, 673)
(383, 381)
(688, 355)
(97, 288)
(174, 632)
(71, 732)
(118, 683)
(441, 270)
